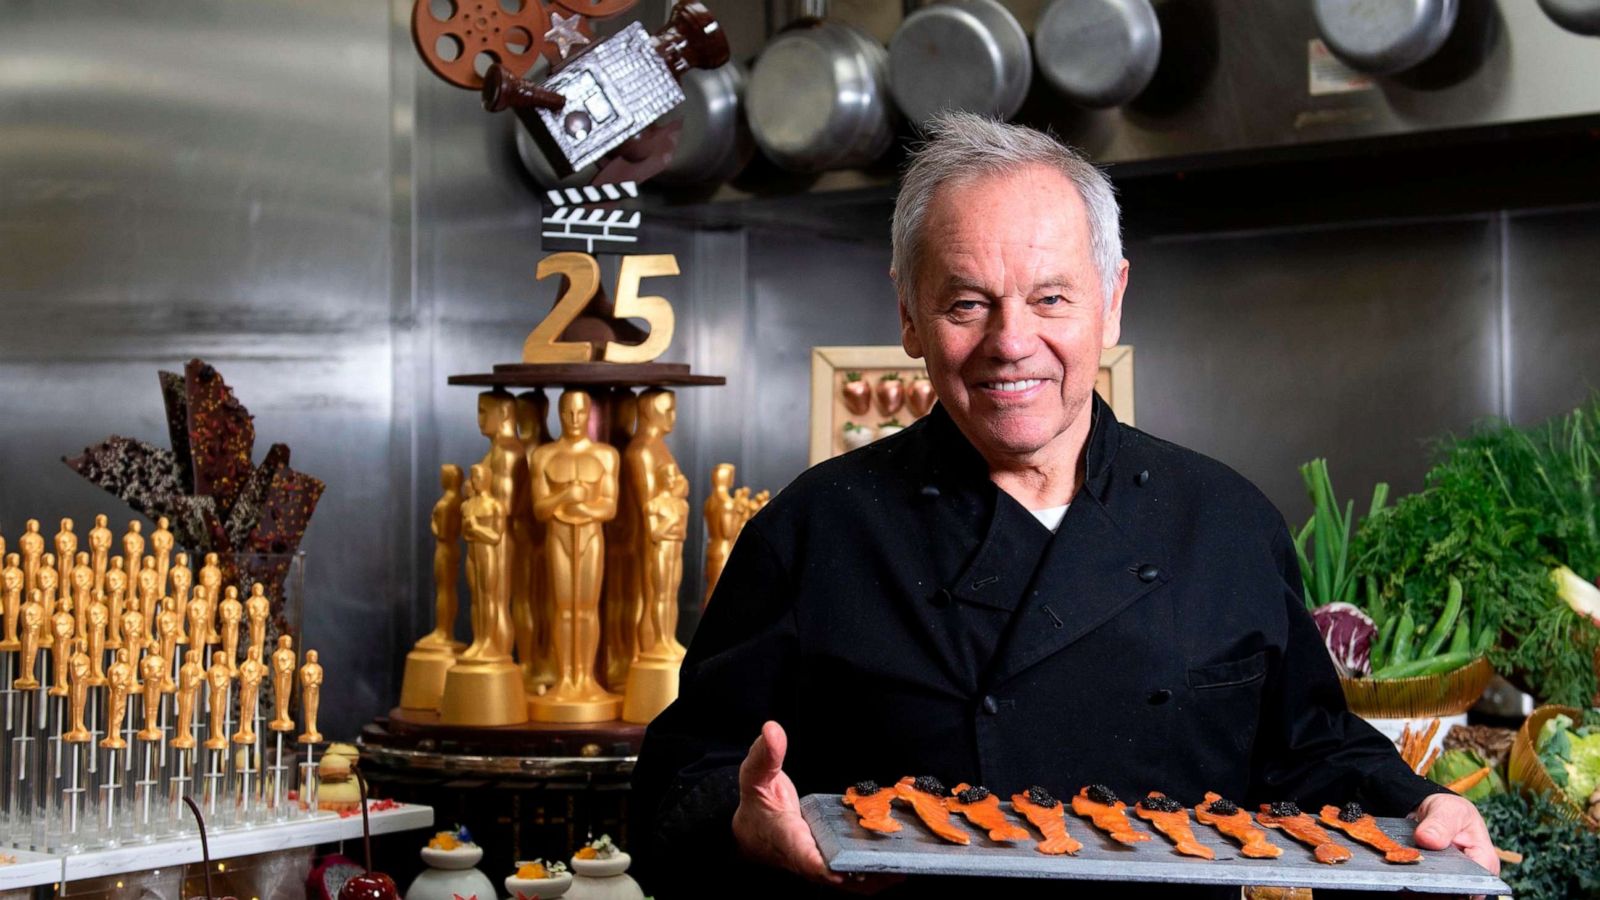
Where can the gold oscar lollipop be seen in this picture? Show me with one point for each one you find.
(100, 539)
(121, 677)
(80, 671)
(167, 626)
(199, 616)
(251, 671)
(182, 585)
(31, 545)
(219, 676)
(134, 639)
(190, 675)
(256, 611)
(49, 580)
(133, 550)
(161, 548)
(64, 628)
(211, 580)
(32, 637)
(283, 662)
(99, 617)
(149, 590)
(310, 696)
(230, 613)
(11, 581)
(152, 668)
(66, 544)
(82, 592)
(116, 594)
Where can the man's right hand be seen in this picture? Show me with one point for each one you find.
(768, 826)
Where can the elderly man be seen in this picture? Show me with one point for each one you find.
(1016, 590)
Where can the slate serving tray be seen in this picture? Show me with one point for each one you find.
(913, 850)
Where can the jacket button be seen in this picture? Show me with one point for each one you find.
(1148, 574)
(991, 705)
(930, 490)
(1142, 478)
(1159, 697)
(940, 598)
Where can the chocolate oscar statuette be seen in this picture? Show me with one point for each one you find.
(48, 582)
(211, 582)
(199, 616)
(251, 671)
(80, 670)
(657, 482)
(149, 590)
(436, 651)
(538, 659)
(116, 595)
(182, 579)
(575, 493)
(11, 581)
(229, 614)
(64, 628)
(722, 525)
(161, 544)
(99, 619)
(152, 669)
(134, 639)
(31, 545)
(168, 626)
(32, 636)
(218, 678)
(257, 609)
(622, 586)
(82, 591)
(120, 675)
(100, 538)
(190, 676)
(283, 664)
(66, 544)
(485, 685)
(310, 695)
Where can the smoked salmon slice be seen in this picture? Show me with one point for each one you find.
(983, 810)
(1226, 817)
(926, 796)
(1171, 819)
(1049, 816)
(1303, 828)
(1354, 821)
(1099, 805)
(872, 803)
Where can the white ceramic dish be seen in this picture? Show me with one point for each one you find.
(543, 888)
(464, 857)
(601, 868)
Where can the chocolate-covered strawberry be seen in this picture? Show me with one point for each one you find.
(857, 394)
(919, 396)
(891, 394)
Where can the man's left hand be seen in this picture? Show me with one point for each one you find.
(1444, 820)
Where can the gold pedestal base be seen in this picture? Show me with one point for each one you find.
(570, 707)
(652, 686)
(423, 685)
(483, 694)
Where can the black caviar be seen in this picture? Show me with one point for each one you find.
(1284, 809)
(1099, 793)
(976, 794)
(930, 785)
(1038, 796)
(1222, 806)
(1352, 812)
(1161, 803)
(867, 788)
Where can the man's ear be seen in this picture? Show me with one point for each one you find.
(909, 339)
(1111, 319)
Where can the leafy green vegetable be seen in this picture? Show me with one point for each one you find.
(1560, 858)
(1326, 569)
(1571, 755)
(1456, 764)
(1500, 509)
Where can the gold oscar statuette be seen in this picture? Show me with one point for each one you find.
(48, 582)
(251, 671)
(149, 590)
(653, 676)
(31, 545)
(256, 611)
(434, 654)
(182, 578)
(199, 616)
(218, 677)
(121, 677)
(99, 618)
(283, 664)
(32, 636)
(64, 628)
(575, 494)
(190, 676)
(134, 639)
(79, 668)
(535, 647)
(622, 588)
(66, 544)
(229, 615)
(161, 547)
(211, 582)
(167, 627)
(133, 546)
(11, 581)
(484, 687)
(722, 525)
(116, 595)
(82, 591)
(100, 538)
(310, 694)
(152, 668)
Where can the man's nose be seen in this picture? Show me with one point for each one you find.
(1011, 333)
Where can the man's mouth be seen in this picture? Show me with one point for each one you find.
(1012, 387)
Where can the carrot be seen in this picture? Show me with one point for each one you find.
(1428, 763)
(1469, 781)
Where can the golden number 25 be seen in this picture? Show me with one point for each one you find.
(581, 273)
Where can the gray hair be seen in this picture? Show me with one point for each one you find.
(961, 146)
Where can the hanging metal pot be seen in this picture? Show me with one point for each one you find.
(1577, 16)
(961, 54)
(1098, 53)
(818, 98)
(1382, 37)
(715, 142)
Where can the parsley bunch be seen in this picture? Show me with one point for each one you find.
(1560, 858)
(1501, 508)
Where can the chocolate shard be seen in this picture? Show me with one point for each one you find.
(196, 525)
(246, 512)
(222, 436)
(290, 502)
(175, 394)
(137, 473)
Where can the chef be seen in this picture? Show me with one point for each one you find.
(1016, 590)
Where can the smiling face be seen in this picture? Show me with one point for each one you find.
(1010, 314)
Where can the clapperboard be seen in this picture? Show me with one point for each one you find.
(587, 218)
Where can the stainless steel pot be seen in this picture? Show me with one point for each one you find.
(715, 142)
(1098, 53)
(1382, 37)
(960, 54)
(1578, 16)
(818, 98)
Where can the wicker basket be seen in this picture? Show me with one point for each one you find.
(1528, 772)
(1426, 696)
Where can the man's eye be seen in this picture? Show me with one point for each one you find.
(1052, 300)
(965, 305)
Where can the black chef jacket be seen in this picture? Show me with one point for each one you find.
(898, 614)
